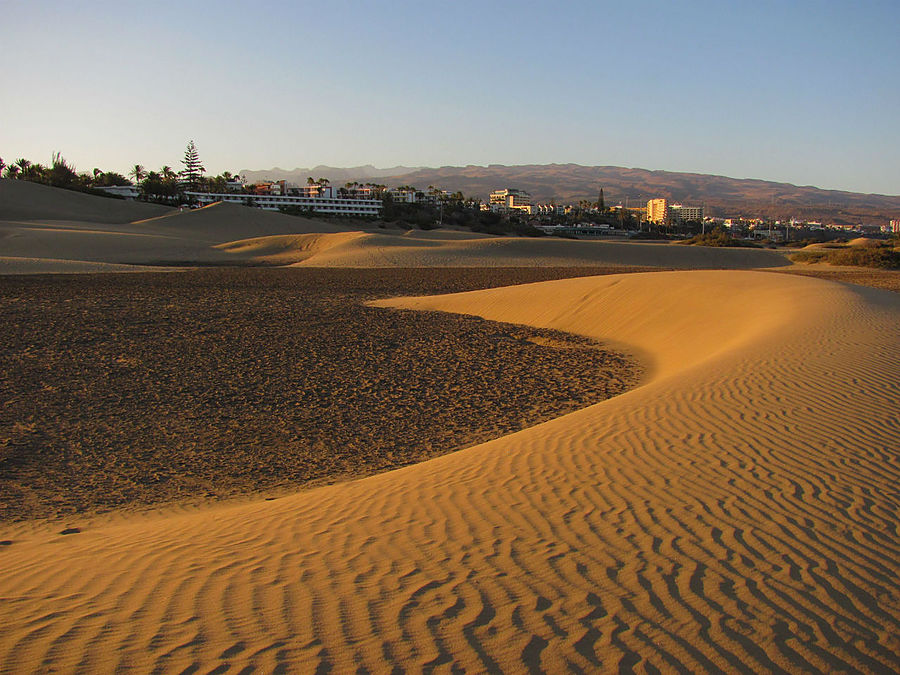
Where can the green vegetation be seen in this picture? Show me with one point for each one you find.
(455, 210)
(720, 238)
(193, 169)
(62, 174)
(163, 186)
(883, 256)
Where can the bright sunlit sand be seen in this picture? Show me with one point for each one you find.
(471, 337)
(736, 511)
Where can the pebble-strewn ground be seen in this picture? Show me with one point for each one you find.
(138, 389)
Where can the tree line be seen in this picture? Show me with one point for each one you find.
(163, 185)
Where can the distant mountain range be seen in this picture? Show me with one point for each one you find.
(570, 183)
(362, 174)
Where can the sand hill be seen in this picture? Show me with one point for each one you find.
(737, 512)
(45, 229)
(24, 200)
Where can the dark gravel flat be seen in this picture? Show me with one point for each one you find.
(128, 390)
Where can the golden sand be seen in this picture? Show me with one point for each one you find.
(738, 511)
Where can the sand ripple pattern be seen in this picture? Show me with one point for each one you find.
(737, 512)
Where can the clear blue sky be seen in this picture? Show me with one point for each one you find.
(803, 92)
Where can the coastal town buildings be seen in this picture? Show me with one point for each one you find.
(509, 199)
(405, 195)
(551, 209)
(679, 213)
(895, 226)
(320, 199)
(657, 211)
(660, 212)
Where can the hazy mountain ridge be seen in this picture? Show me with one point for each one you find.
(336, 175)
(569, 183)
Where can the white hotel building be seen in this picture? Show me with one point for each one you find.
(317, 198)
(509, 199)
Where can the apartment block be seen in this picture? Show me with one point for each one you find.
(510, 199)
(679, 213)
(657, 211)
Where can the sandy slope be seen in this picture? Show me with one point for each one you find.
(23, 200)
(177, 238)
(458, 250)
(738, 511)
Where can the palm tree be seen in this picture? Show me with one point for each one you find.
(36, 173)
(12, 171)
(61, 173)
(2, 165)
(23, 165)
(168, 174)
(138, 173)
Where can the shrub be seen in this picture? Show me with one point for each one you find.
(882, 257)
(720, 238)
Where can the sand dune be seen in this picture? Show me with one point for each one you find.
(25, 265)
(454, 249)
(223, 222)
(286, 249)
(737, 512)
(175, 238)
(24, 200)
(229, 234)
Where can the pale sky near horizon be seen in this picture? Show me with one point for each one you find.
(802, 92)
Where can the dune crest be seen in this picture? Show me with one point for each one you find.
(738, 512)
(287, 249)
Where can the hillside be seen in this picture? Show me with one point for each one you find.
(569, 183)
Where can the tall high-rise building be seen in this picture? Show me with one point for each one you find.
(657, 211)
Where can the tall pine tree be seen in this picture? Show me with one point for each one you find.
(193, 169)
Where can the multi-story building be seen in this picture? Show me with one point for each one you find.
(268, 187)
(433, 196)
(311, 191)
(679, 213)
(405, 195)
(323, 201)
(895, 226)
(550, 209)
(657, 211)
(509, 199)
(126, 191)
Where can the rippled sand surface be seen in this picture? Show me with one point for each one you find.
(737, 511)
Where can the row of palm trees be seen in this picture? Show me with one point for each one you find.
(59, 173)
(166, 184)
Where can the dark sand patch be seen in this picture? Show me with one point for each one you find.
(131, 390)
